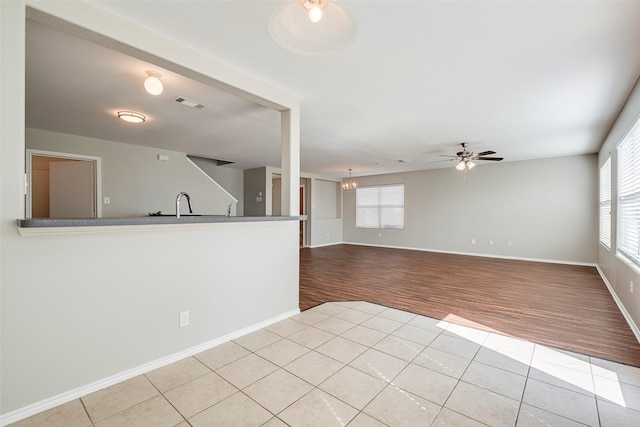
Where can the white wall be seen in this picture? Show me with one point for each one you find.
(546, 208)
(326, 212)
(135, 180)
(620, 273)
(78, 308)
(228, 177)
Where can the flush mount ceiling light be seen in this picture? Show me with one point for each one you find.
(350, 185)
(312, 27)
(153, 84)
(131, 116)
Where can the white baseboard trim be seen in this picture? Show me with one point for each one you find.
(70, 395)
(326, 244)
(550, 261)
(623, 310)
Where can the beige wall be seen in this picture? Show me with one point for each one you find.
(135, 180)
(255, 181)
(617, 270)
(545, 208)
(328, 199)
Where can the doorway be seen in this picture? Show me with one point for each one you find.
(62, 185)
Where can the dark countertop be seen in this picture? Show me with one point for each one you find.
(149, 220)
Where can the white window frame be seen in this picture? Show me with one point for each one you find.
(380, 214)
(628, 211)
(605, 203)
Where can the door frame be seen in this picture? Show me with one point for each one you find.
(303, 211)
(97, 175)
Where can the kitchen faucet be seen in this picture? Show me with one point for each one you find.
(178, 203)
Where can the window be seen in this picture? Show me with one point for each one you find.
(629, 194)
(605, 203)
(380, 207)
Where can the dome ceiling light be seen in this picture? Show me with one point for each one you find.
(153, 84)
(312, 27)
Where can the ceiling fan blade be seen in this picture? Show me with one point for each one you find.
(444, 155)
(440, 161)
(484, 153)
(497, 159)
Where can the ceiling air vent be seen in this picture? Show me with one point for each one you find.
(188, 102)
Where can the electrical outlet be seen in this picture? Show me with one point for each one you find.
(379, 235)
(184, 318)
(490, 242)
(107, 200)
(631, 286)
(473, 241)
(509, 243)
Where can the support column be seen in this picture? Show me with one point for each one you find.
(290, 142)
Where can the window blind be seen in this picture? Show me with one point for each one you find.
(629, 194)
(380, 207)
(605, 203)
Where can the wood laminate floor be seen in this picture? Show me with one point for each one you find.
(564, 306)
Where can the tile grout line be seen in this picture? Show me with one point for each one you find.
(524, 389)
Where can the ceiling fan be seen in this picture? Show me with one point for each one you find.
(466, 158)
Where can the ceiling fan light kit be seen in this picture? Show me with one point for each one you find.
(466, 158)
(312, 27)
(465, 164)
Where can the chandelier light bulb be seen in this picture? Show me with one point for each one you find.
(315, 13)
(470, 164)
(153, 84)
(460, 165)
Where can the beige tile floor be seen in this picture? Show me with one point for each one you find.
(360, 364)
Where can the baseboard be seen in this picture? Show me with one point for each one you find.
(68, 396)
(623, 310)
(325, 245)
(550, 261)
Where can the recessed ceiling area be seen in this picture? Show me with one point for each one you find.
(527, 80)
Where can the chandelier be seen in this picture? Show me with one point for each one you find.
(350, 185)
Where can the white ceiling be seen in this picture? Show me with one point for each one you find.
(527, 79)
